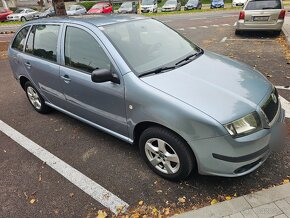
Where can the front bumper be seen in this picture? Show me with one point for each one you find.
(167, 9)
(147, 10)
(232, 157)
(13, 18)
(242, 25)
(217, 6)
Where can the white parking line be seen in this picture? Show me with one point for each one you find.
(192, 28)
(203, 27)
(286, 106)
(214, 25)
(226, 24)
(181, 29)
(86, 184)
(198, 18)
(256, 40)
(283, 87)
(224, 39)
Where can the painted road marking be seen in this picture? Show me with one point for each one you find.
(286, 106)
(192, 28)
(86, 184)
(181, 29)
(198, 18)
(215, 25)
(246, 39)
(283, 87)
(226, 24)
(224, 39)
(203, 27)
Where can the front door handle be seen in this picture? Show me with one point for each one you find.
(28, 65)
(66, 78)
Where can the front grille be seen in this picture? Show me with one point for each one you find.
(271, 106)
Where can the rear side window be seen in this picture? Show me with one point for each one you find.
(42, 42)
(83, 52)
(19, 40)
(263, 5)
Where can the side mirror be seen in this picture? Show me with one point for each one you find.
(104, 75)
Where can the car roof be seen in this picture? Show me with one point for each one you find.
(96, 20)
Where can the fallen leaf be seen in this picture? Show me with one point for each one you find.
(71, 194)
(39, 177)
(181, 199)
(102, 214)
(167, 211)
(269, 75)
(235, 195)
(228, 198)
(213, 201)
(141, 203)
(285, 181)
(135, 215)
(159, 191)
(32, 201)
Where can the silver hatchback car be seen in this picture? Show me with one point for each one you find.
(261, 15)
(139, 80)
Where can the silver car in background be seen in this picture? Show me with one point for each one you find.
(171, 5)
(261, 15)
(76, 10)
(22, 14)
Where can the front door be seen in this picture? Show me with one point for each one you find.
(100, 103)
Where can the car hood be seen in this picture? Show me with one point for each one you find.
(191, 4)
(169, 6)
(222, 88)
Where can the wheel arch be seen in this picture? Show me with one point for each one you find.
(140, 127)
(23, 80)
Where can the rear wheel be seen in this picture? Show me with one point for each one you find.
(23, 19)
(35, 99)
(167, 154)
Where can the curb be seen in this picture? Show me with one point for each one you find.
(286, 29)
(7, 32)
(251, 204)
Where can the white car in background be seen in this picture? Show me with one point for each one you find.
(22, 14)
(76, 10)
(238, 3)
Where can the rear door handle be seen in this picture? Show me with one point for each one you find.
(28, 65)
(66, 78)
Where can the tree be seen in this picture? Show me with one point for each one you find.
(59, 7)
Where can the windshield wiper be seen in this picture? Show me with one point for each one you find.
(189, 58)
(157, 70)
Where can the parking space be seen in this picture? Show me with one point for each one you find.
(115, 165)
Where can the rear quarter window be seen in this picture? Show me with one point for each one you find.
(263, 5)
(19, 40)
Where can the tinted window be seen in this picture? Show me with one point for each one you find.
(19, 40)
(83, 52)
(42, 41)
(260, 5)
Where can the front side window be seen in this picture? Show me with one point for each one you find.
(83, 52)
(42, 41)
(19, 40)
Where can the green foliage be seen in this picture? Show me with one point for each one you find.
(89, 4)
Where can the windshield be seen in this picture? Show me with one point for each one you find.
(98, 6)
(147, 2)
(217, 1)
(260, 5)
(126, 5)
(72, 8)
(148, 44)
(2, 10)
(18, 11)
(170, 2)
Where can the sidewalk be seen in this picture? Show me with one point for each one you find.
(273, 202)
(286, 28)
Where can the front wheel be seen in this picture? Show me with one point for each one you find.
(35, 99)
(166, 153)
(23, 19)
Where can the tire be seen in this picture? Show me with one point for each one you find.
(238, 32)
(35, 99)
(157, 144)
(277, 32)
(23, 19)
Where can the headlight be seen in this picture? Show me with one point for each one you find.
(244, 126)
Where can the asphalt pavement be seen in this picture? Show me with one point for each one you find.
(115, 165)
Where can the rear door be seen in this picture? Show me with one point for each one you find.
(40, 61)
(262, 12)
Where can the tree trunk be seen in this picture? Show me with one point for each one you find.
(59, 7)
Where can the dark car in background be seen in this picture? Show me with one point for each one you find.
(217, 4)
(4, 12)
(193, 4)
(47, 13)
(128, 7)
